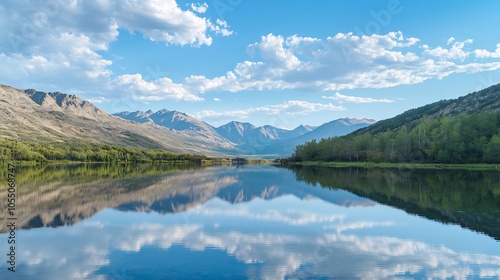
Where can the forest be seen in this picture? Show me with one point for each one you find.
(86, 152)
(473, 138)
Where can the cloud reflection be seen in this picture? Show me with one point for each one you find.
(292, 247)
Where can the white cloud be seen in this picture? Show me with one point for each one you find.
(455, 52)
(220, 28)
(160, 89)
(98, 100)
(213, 115)
(296, 107)
(290, 217)
(344, 61)
(291, 107)
(486, 54)
(199, 8)
(217, 99)
(355, 99)
(57, 45)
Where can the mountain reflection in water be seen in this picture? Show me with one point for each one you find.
(254, 222)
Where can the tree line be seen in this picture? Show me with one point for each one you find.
(473, 138)
(86, 152)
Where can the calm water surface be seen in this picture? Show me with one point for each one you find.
(253, 222)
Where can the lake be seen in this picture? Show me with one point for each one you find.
(153, 221)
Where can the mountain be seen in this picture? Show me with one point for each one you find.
(137, 116)
(47, 117)
(264, 141)
(64, 117)
(181, 122)
(268, 141)
(236, 132)
(61, 102)
(300, 130)
(335, 128)
(485, 100)
(246, 134)
(331, 129)
(465, 130)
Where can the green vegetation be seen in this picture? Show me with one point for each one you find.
(470, 198)
(402, 165)
(37, 174)
(460, 139)
(486, 100)
(87, 152)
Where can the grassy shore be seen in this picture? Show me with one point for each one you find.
(475, 166)
(204, 162)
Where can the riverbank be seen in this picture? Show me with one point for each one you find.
(474, 166)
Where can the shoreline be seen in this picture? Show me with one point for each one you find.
(444, 166)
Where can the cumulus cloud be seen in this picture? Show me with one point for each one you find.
(199, 8)
(291, 107)
(487, 54)
(345, 61)
(356, 99)
(455, 52)
(57, 45)
(160, 89)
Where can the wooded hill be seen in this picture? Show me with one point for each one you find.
(463, 130)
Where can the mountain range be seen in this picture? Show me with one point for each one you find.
(32, 115)
(249, 140)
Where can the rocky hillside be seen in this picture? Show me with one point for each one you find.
(47, 117)
(180, 122)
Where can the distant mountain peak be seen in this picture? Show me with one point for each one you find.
(353, 121)
(180, 122)
(64, 102)
(162, 111)
(241, 123)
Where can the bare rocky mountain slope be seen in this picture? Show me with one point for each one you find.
(177, 121)
(45, 117)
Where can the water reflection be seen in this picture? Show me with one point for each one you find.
(57, 195)
(464, 197)
(240, 223)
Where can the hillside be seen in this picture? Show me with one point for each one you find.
(462, 130)
(486, 100)
(34, 116)
(180, 122)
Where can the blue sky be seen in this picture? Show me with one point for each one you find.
(282, 63)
